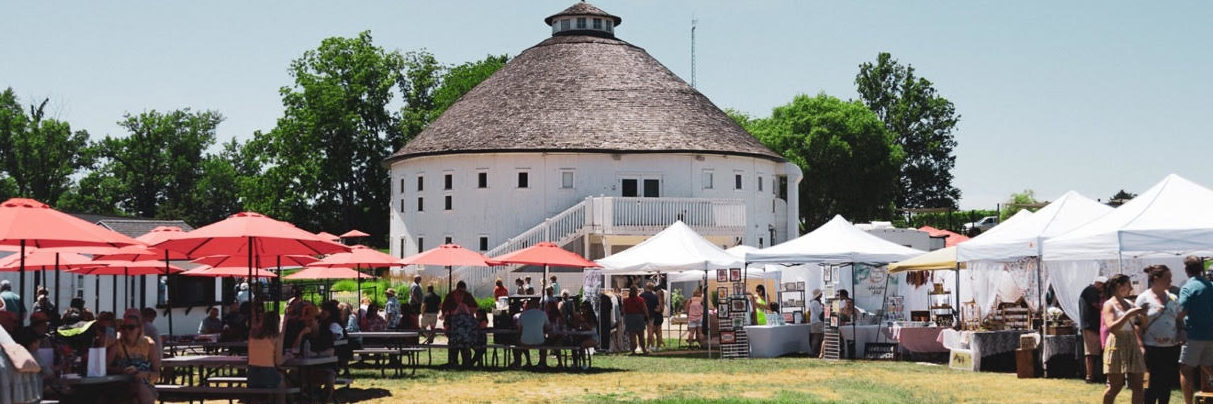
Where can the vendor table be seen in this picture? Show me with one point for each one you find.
(918, 339)
(992, 350)
(861, 335)
(769, 341)
(1061, 355)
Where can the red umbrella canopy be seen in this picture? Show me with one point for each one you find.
(139, 253)
(243, 231)
(327, 273)
(159, 234)
(354, 233)
(40, 226)
(219, 272)
(329, 236)
(447, 255)
(44, 260)
(262, 262)
(544, 253)
(359, 256)
(131, 268)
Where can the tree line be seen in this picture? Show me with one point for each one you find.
(320, 167)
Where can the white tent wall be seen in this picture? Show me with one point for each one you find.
(915, 297)
(1069, 278)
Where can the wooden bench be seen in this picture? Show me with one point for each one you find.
(574, 356)
(397, 358)
(202, 393)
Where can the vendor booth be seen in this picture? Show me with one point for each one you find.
(840, 256)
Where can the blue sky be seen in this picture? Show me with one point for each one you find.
(1053, 96)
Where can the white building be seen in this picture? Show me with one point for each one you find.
(587, 141)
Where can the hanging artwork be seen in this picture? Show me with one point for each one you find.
(722, 275)
(722, 294)
(722, 311)
(735, 274)
(728, 337)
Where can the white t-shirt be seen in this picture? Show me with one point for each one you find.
(532, 323)
(816, 325)
(1161, 327)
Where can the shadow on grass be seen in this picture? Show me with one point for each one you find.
(354, 394)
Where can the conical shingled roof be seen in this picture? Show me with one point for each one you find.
(581, 93)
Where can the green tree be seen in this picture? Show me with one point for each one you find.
(922, 122)
(1019, 201)
(1120, 198)
(158, 163)
(421, 77)
(39, 155)
(323, 160)
(463, 78)
(217, 193)
(849, 159)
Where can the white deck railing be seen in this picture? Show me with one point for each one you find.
(614, 216)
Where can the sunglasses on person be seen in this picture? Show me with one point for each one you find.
(129, 327)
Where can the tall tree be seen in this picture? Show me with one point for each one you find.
(460, 79)
(922, 122)
(159, 162)
(1120, 198)
(217, 192)
(421, 77)
(323, 160)
(849, 159)
(39, 154)
(1019, 201)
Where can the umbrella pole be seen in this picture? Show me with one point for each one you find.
(358, 268)
(126, 280)
(114, 281)
(278, 285)
(97, 293)
(167, 295)
(20, 317)
(57, 302)
(252, 292)
(451, 279)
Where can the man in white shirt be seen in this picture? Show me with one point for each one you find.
(533, 326)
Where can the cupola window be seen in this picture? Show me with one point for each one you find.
(565, 25)
(597, 23)
(580, 22)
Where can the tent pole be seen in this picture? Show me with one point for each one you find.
(854, 324)
(956, 291)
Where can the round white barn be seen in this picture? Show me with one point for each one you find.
(587, 141)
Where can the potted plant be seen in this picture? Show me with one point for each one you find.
(1057, 323)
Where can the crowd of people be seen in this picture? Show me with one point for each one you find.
(1166, 332)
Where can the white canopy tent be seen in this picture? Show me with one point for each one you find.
(1172, 218)
(676, 249)
(836, 242)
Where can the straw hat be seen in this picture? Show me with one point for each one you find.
(816, 293)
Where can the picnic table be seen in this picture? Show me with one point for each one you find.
(89, 389)
(208, 364)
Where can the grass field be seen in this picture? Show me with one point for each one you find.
(680, 377)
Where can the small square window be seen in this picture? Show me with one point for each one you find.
(484, 243)
(566, 179)
(523, 179)
(403, 244)
(420, 244)
(564, 25)
(737, 181)
(420, 183)
(420, 204)
(707, 180)
(449, 240)
(759, 184)
(482, 180)
(581, 23)
(597, 23)
(447, 202)
(448, 181)
(402, 206)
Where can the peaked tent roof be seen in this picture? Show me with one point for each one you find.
(943, 258)
(677, 248)
(837, 241)
(1022, 236)
(1174, 217)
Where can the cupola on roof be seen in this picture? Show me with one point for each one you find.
(583, 19)
(584, 91)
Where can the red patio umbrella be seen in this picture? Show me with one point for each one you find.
(29, 223)
(242, 262)
(45, 260)
(219, 272)
(546, 254)
(354, 233)
(252, 235)
(143, 253)
(316, 273)
(359, 256)
(329, 236)
(126, 269)
(448, 255)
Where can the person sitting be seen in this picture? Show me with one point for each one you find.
(135, 355)
(373, 321)
(533, 326)
(480, 339)
(265, 353)
(43, 304)
(211, 324)
(519, 288)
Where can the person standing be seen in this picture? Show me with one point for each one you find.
(1090, 303)
(458, 313)
(1122, 356)
(499, 290)
(650, 302)
(12, 301)
(817, 322)
(636, 319)
(415, 295)
(695, 316)
(391, 309)
(1160, 335)
(1196, 306)
(553, 284)
(429, 313)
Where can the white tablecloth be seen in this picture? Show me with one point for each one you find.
(769, 341)
(862, 335)
(982, 344)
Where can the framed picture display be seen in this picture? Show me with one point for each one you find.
(735, 274)
(737, 289)
(798, 317)
(722, 294)
(722, 275)
(800, 286)
(827, 274)
(738, 323)
(789, 318)
(737, 305)
(728, 337)
(722, 311)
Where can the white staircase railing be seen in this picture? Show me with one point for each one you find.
(612, 216)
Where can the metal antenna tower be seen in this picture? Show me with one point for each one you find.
(694, 21)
